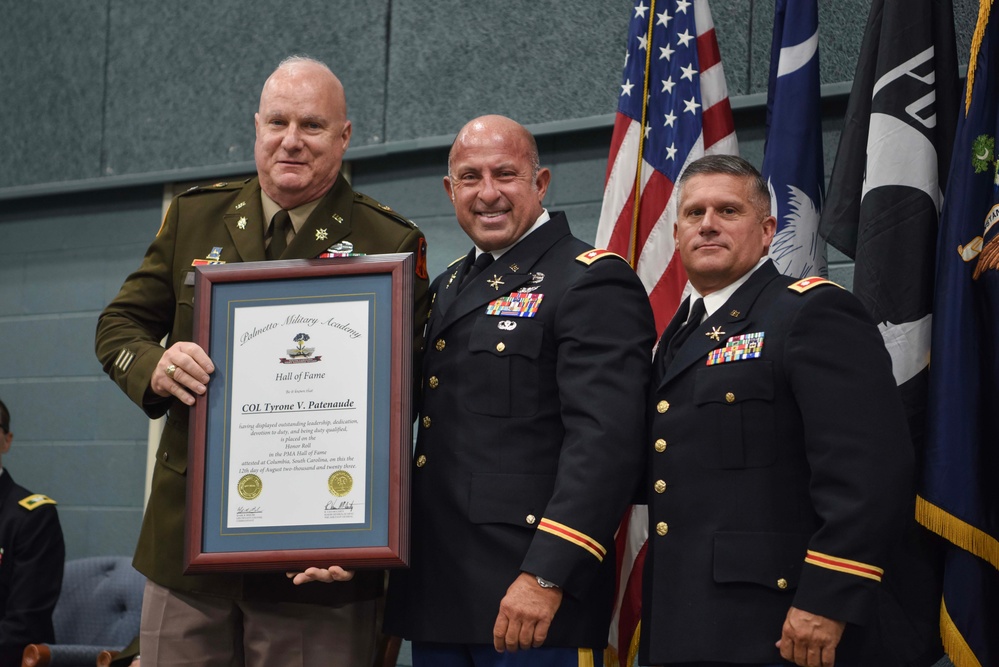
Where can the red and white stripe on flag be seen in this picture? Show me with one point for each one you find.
(678, 72)
(673, 108)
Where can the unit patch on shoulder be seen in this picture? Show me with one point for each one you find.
(806, 284)
(35, 500)
(591, 256)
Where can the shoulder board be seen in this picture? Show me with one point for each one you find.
(457, 261)
(387, 211)
(806, 284)
(591, 256)
(214, 187)
(35, 500)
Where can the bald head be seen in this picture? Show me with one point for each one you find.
(302, 71)
(496, 128)
(302, 132)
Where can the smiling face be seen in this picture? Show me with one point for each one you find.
(494, 182)
(302, 133)
(721, 230)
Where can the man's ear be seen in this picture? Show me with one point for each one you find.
(542, 182)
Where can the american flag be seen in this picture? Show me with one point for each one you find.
(673, 109)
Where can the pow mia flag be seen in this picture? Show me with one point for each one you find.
(885, 195)
(886, 187)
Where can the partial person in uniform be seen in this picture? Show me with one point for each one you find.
(779, 460)
(298, 206)
(530, 430)
(32, 556)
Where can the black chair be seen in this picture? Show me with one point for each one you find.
(98, 609)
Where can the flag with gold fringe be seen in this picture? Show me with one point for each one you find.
(959, 493)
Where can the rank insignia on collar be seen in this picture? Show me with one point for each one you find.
(338, 218)
(518, 304)
(241, 223)
(240, 205)
(321, 234)
(738, 348)
(715, 334)
(495, 282)
(514, 268)
(735, 313)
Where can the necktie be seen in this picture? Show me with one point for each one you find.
(693, 321)
(279, 229)
(481, 262)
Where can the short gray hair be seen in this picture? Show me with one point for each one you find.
(733, 165)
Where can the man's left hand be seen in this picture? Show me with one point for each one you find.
(327, 575)
(525, 614)
(810, 640)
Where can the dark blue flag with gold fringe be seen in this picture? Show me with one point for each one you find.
(959, 495)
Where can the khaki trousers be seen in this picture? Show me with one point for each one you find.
(188, 630)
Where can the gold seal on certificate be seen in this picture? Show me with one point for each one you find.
(340, 483)
(249, 487)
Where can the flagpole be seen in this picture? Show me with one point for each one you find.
(633, 241)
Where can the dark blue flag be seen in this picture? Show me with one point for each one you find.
(959, 495)
(792, 158)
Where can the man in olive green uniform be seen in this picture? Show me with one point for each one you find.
(302, 132)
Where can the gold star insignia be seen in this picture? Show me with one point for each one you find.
(715, 334)
(241, 223)
(321, 234)
(495, 282)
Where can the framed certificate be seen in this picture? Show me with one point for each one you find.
(300, 448)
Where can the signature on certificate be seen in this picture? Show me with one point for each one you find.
(340, 505)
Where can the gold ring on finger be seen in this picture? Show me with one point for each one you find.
(170, 370)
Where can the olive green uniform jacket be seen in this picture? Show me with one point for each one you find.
(158, 300)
